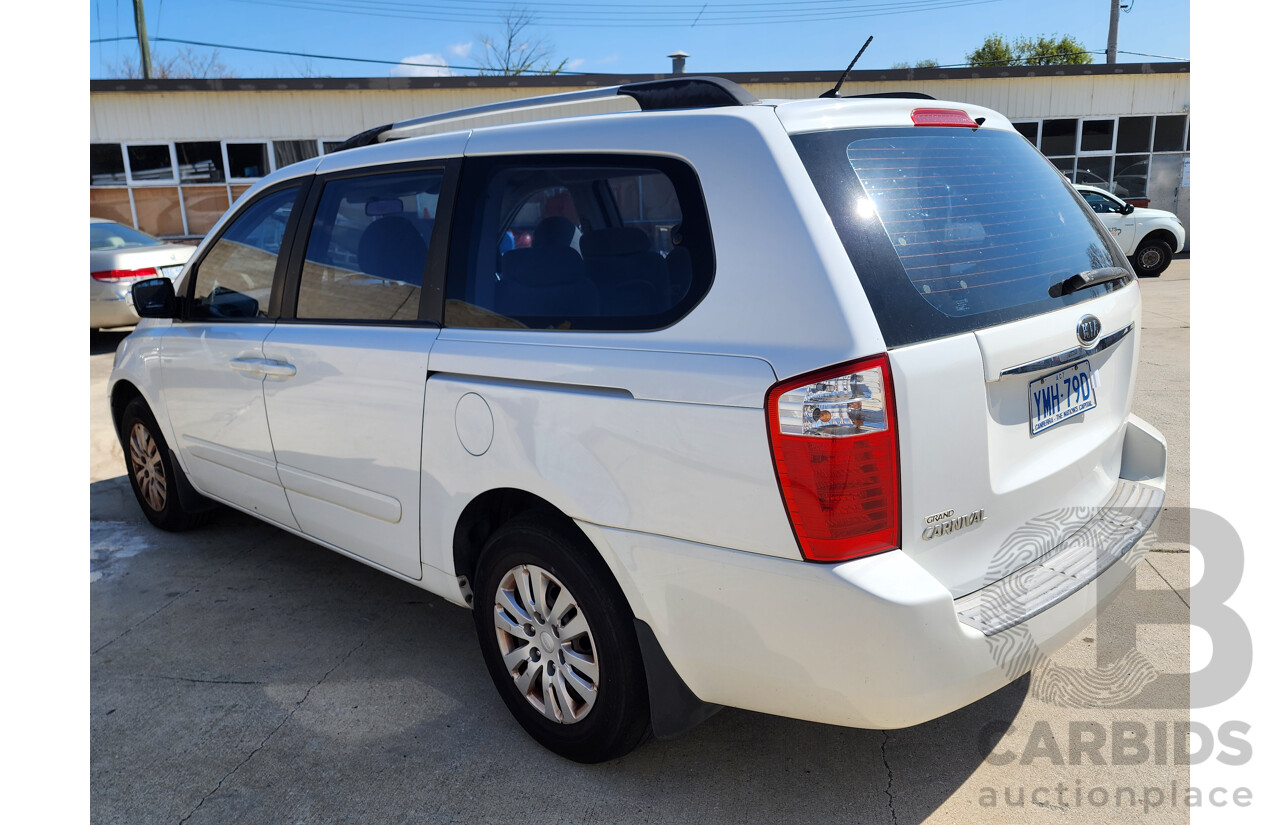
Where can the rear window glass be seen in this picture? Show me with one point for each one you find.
(105, 236)
(951, 230)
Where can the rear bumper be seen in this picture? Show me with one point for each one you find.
(111, 309)
(878, 642)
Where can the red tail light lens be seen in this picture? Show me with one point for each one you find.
(942, 117)
(124, 274)
(835, 449)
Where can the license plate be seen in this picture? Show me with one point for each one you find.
(1062, 395)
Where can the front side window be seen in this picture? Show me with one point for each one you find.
(569, 244)
(1101, 203)
(233, 280)
(367, 250)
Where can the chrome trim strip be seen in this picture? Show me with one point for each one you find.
(1111, 535)
(1068, 356)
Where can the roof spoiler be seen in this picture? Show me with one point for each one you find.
(684, 92)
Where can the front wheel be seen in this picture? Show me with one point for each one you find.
(1151, 257)
(559, 641)
(153, 475)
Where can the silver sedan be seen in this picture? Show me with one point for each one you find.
(119, 256)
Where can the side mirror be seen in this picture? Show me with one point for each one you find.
(154, 298)
(1128, 209)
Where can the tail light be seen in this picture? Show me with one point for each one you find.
(942, 117)
(124, 274)
(835, 449)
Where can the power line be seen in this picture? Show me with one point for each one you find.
(326, 56)
(634, 17)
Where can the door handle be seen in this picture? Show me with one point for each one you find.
(263, 366)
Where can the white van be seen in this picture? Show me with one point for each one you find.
(816, 408)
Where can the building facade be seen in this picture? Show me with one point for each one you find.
(170, 156)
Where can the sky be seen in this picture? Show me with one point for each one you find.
(618, 37)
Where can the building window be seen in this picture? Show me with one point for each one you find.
(292, 151)
(1058, 137)
(247, 160)
(150, 162)
(1135, 134)
(1098, 135)
(1170, 133)
(106, 165)
(200, 162)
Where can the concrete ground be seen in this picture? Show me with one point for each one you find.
(240, 674)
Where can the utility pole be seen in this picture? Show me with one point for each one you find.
(1111, 33)
(140, 17)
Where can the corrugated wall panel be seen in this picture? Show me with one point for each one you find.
(235, 115)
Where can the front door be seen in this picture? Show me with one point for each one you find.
(213, 364)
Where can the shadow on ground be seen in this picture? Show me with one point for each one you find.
(240, 674)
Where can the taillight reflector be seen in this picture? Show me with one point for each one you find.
(942, 117)
(124, 274)
(835, 449)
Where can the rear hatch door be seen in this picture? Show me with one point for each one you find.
(1013, 377)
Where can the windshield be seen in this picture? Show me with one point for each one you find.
(952, 230)
(106, 236)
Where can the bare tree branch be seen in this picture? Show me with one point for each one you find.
(514, 50)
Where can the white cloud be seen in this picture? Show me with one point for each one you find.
(436, 66)
(575, 63)
(460, 49)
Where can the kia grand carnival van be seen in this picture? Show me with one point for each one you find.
(816, 408)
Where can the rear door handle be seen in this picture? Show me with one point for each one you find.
(263, 366)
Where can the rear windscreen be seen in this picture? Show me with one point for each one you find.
(952, 230)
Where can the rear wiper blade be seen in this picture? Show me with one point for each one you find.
(1090, 277)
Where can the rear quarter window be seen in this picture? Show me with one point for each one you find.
(952, 230)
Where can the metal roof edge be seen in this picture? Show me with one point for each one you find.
(303, 84)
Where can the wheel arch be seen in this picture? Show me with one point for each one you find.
(1159, 234)
(482, 517)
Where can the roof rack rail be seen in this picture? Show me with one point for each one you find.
(907, 95)
(684, 92)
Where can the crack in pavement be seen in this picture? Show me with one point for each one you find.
(888, 790)
(169, 603)
(283, 722)
(205, 681)
(1175, 590)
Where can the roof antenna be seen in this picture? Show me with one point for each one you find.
(835, 90)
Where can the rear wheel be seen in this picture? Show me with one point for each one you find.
(559, 641)
(1151, 257)
(152, 473)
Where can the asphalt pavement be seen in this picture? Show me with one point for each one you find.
(241, 674)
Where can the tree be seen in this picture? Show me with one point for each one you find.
(185, 63)
(929, 63)
(515, 51)
(994, 51)
(1052, 51)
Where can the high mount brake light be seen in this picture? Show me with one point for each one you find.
(834, 440)
(124, 274)
(942, 117)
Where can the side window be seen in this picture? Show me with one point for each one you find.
(1100, 204)
(578, 244)
(234, 278)
(367, 251)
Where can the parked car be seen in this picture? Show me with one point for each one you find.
(847, 438)
(1149, 237)
(119, 256)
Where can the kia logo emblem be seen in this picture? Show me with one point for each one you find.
(1088, 330)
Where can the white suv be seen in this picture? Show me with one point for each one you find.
(1148, 237)
(816, 408)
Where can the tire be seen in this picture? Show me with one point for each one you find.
(1151, 258)
(154, 477)
(570, 672)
